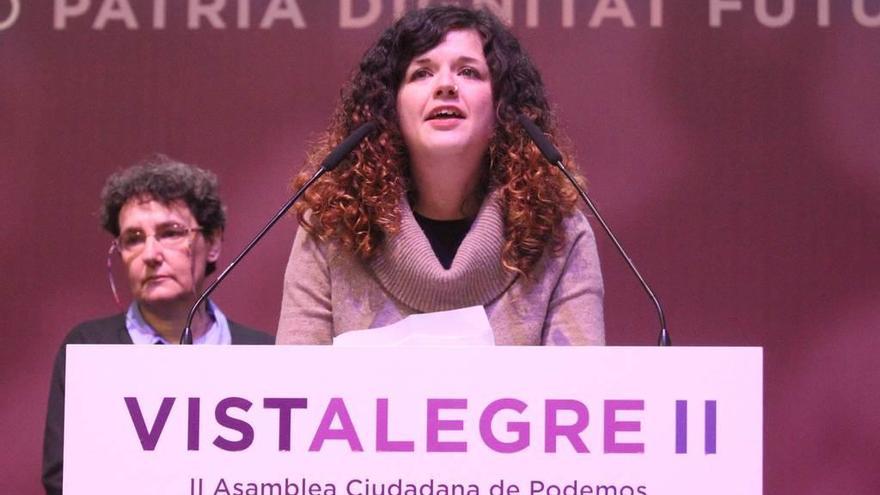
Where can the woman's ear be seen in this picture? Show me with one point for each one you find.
(215, 242)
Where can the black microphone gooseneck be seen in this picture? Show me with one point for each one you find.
(329, 163)
(555, 157)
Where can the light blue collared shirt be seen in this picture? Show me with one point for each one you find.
(142, 333)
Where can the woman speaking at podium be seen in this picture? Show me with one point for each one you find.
(449, 204)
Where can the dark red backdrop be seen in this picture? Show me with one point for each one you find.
(738, 163)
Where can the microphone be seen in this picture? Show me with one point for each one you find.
(346, 146)
(555, 157)
(332, 161)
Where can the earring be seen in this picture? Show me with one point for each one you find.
(110, 253)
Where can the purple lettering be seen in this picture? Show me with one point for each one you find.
(192, 435)
(681, 427)
(336, 409)
(284, 406)
(436, 425)
(521, 428)
(383, 444)
(150, 437)
(612, 426)
(711, 412)
(553, 430)
(221, 413)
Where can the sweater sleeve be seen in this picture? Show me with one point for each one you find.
(306, 308)
(575, 315)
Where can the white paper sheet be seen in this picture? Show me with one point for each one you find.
(465, 326)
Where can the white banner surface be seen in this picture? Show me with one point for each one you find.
(304, 420)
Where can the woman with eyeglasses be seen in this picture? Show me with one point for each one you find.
(167, 221)
(449, 205)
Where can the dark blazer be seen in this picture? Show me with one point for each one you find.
(109, 330)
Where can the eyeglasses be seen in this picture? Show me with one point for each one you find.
(169, 236)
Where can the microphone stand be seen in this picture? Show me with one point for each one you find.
(186, 337)
(663, 340)
(555, 157)
(330, 162)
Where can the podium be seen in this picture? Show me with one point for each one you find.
(313, 420)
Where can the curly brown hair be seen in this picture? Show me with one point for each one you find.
(357, 204)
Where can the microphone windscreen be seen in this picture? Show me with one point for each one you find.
(547, 149)
(348, 144)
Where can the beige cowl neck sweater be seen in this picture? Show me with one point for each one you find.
(327, 291)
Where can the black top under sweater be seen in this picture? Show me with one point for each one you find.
(444, 235)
